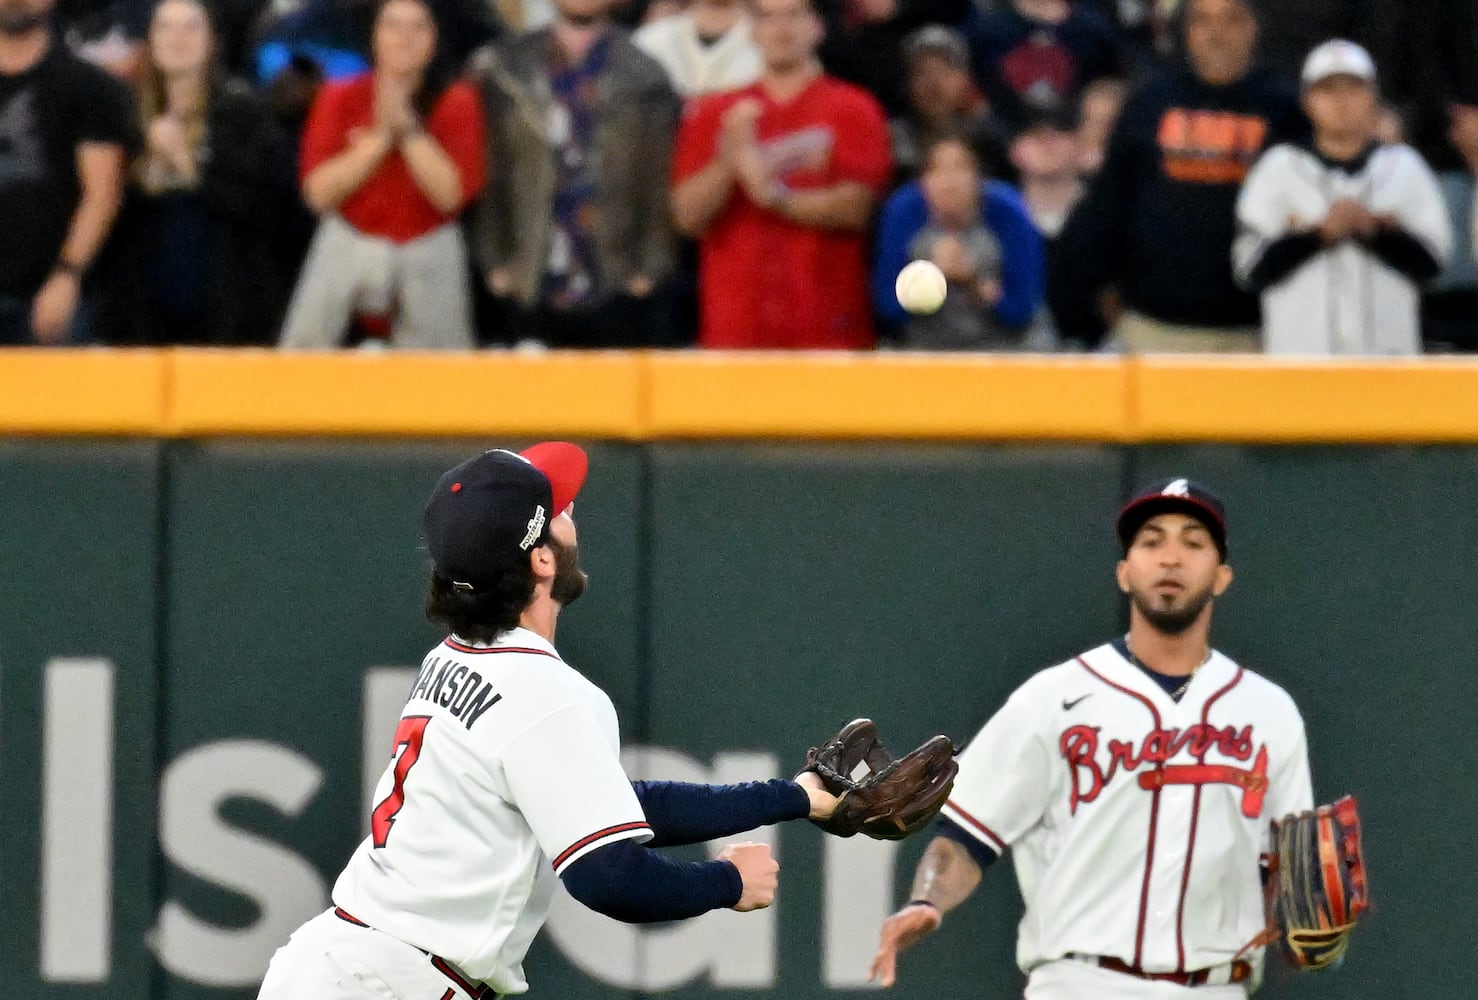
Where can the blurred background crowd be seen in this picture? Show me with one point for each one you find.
(1138, 175)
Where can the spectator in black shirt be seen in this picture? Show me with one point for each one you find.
(65, 130)
(1158, 221)
(194, 260)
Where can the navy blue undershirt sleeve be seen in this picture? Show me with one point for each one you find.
(1402, 251)
(1281, 258)
(683, 813)
(627, 881)
(984, 856)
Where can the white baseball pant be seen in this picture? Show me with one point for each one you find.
(329, 958)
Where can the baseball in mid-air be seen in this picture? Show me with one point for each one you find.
(920, 288)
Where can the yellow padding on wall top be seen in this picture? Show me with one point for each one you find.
(1397, 399)
(695, 395)
(44, 391)
(830, 395)
(363, 393)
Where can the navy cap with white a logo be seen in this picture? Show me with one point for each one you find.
(497, 506)
(1181, 496)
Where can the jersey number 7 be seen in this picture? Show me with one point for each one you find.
(409, 734)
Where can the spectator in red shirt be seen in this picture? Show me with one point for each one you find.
(777, 181)
(389, 160)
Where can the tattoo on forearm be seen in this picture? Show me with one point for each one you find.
(946, 875)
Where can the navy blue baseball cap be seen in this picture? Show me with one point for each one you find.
(1180, 496)
(495, 507)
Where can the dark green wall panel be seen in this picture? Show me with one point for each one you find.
(78, 574)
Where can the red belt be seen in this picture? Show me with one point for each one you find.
(477, 991)
(1240, 972)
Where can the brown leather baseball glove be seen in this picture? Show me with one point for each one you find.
(1316, 886)
(884, 798)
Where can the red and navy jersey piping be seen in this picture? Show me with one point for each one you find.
(345, 915)
(591, 838)
(994, 839)
(1190, 850)
(1149, 853)
(460, 647)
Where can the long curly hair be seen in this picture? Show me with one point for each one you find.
(153, 100)
(483, 613)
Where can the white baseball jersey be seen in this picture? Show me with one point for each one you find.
(1136, 821)
(506, 769)
(1343, 300)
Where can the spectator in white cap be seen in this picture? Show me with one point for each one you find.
(704, 48)
(1337, 236)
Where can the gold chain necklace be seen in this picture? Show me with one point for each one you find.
(1175, 695)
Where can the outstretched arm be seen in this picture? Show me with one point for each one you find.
(947, 874)
(684, 813)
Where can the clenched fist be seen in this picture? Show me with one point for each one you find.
(759, 872)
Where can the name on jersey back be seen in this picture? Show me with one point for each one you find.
(456, 687)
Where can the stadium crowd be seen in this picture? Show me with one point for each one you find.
(1137, 175)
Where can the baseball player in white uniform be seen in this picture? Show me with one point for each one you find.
(505, 775)
(1338, 236)
(1134, 785)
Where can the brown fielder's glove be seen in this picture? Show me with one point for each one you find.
(895, 797)
(1316, 884)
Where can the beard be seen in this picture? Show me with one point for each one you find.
(16, 21)
(569, 578)
(1171, 620)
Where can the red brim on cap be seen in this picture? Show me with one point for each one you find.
(564, 465)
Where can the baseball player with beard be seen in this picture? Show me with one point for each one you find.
(1134, 784)
(505, 775)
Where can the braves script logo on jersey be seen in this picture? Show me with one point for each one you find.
(1079, 747)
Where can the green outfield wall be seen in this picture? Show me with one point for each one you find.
(204, 644)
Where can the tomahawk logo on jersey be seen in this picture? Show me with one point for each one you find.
(1118, 801)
